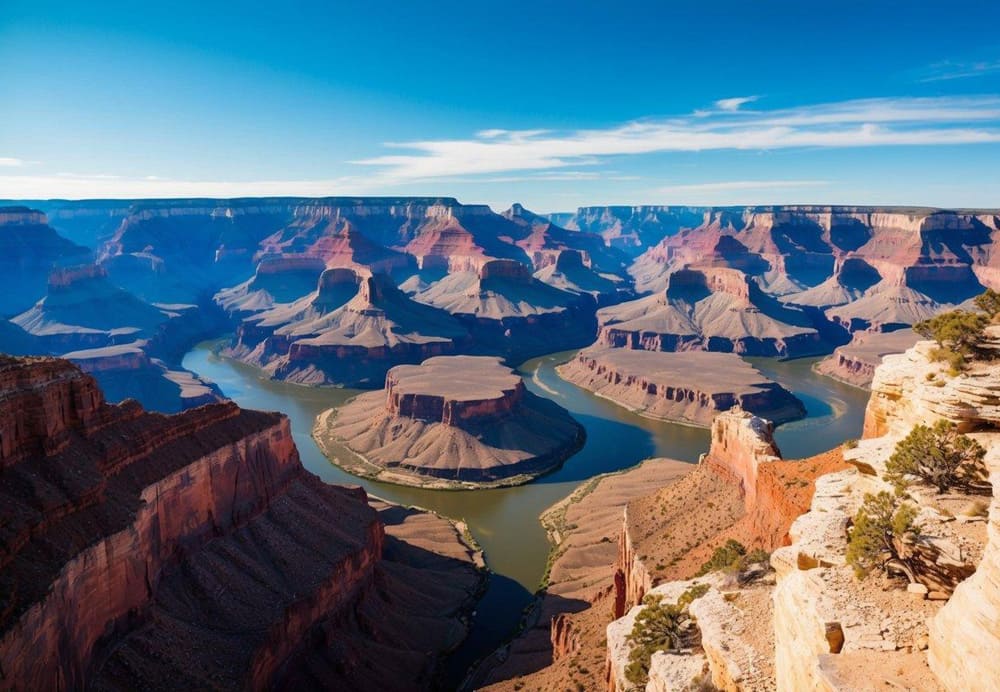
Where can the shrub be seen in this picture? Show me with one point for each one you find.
(937, 455)
(989, 302)
(733, 555)
(661, 627)
(850, 444)
(958, 334)
(882, 531)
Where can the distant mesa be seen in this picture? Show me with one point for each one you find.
(571, 272)
(83, 309)
(710, 309)
(855, 363)
(450, 422)
(685, 387)
(277, 279)
(348, 331)
(29, 249)
(511, 313)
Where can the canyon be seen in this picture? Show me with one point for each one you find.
(685, 387)
(140, 548)
(450, 421)
(432, 300)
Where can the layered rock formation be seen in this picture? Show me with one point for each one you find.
(633, 229)
(559, 645)
(349, 331)
(277, 280)
(83, 309)
(29, 249)
(570, 272)
(713, 310)
(855, 363)
(686, 387)
(864, 268)
(509, 312)
(128, 372)
(195, 551)
(450, 420)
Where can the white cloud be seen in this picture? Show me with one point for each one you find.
(949, 70)
(734, 104)
(10, 161)
(857, 123)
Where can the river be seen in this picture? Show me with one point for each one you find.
(505, 521)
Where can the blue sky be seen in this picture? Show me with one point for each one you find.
(554, 104)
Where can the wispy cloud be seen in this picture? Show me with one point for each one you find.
(735, 103)
(948, 70)
(11, 162)
(856, 123)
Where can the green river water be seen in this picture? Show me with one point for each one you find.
(505, 521)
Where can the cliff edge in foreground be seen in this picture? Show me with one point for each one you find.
(140, 550)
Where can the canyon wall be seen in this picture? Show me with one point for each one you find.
(691, 388)
(121, 525)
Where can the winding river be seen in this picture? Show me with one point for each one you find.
(505, 521)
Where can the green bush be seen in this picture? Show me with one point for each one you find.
(661, 627)
(732, 556)
(958, 334)
(939, 456)
(882, 531)
(989, 302)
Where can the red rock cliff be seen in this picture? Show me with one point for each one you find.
(98, 501)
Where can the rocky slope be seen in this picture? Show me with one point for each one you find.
(349, 331)
(128, 372)
(832, 631)
(711, 309)
(195, 551)
(29, 249)
(864, 268)
(508, 312)
(855, 363)
(686, 387)
(633, 229)
(450, 420)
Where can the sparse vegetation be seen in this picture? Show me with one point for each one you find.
(883, 530)
(850, 444)
(989, 302)
(733, 556)
(661, 627)
(958, 334)
(938, 455)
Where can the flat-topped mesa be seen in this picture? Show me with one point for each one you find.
(855, 363)
(453, 421)
(22, 216)
(686, 281)
(66, 277)
(690, 387)
(456, 391)
(568, 260)
(505, 269)
(741, 442)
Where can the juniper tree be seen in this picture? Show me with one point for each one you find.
(938, 455)
(880, 538)
(661, 627)
(958, 334)
(989, 302)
